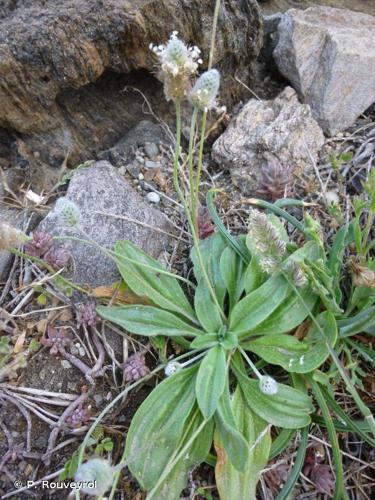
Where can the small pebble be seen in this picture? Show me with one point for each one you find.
(65, 364)
(133, 169)
(151, 150)
(152, 164)
(122, 170)
(140, 159)
(81, 351)
(153, 197)
(141, 177)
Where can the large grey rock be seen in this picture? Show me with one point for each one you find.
(282, 128)
(96, 190)
(329, 57)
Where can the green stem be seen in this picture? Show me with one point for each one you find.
(251, 364)
(340, 492)
(191, 157)
(349, 385)
(199, 170)
(187, 212)
(213, 33)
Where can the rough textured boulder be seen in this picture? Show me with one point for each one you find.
(329, 57)
(63, 66)
(100, 188)
(282, 128)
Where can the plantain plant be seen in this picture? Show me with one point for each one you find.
(251, 294)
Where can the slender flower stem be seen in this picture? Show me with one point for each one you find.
(187, 212)
(251, 364)
(213, 33)
(349, 385)
(190, 159)
(199, 171)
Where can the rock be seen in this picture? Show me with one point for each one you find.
(152, 164)
(281, 128)
(274, 6)
(97, 190)
(21, 219)
(153, 197)
(151, 150)
(126, 150)
(134, 169)
(64, 66)
(328, 56)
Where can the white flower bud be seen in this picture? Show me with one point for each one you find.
(268, 385)
(205, 90)
(172, 368)
(98, 474)
(68, 211)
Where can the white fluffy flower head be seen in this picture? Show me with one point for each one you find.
(68, 211)
(176, 58)
(172, 368)
(205, 90)
(268, 385)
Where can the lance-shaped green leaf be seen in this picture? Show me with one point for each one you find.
(363, 321)
(207, 311)
(241, 485)
(291, 313)
(253, 276)
(176, 480)
(162, 290)
(211, 249)
(233, 442)
(293, 355)
(258, 305)
(211, 380)
(231, 268)
(148, 321)
(158, 425)
(288, 408)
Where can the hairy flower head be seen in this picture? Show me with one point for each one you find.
(178, 63)
(10, 237)
(172, 368)
(68, 211)
(296, 273)
(363, 276)
(205, 90)
(268, 385)
(265, 241)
